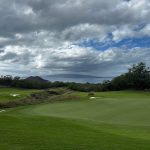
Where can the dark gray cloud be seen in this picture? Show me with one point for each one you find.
(32, 15)
(8, 56)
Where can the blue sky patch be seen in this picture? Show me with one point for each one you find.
(143, 42)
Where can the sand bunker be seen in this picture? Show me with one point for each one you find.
(2, 111)
(92, 97)
(14, 95)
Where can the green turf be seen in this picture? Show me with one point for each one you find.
(112, 121)
(6, 94)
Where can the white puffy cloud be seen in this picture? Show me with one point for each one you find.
(74, 59)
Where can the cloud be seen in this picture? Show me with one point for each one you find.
(33, 15)
(43, 36)
(75, 59)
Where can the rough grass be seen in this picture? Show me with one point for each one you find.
(5, 94)
(112, 121)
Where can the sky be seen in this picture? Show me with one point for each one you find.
(87, 37)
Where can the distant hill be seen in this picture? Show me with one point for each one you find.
(74, 76)
(36, 78)
(78, 78)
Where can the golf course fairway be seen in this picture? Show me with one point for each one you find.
(109, 121)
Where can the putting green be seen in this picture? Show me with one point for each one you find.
(112, 120)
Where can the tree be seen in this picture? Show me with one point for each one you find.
(139, 76)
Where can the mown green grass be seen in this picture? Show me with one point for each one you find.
(6, 94)
(131, 108)
(111, 121)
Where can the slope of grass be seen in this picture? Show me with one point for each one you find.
(111, 121)
(130, 108)
(6, 94)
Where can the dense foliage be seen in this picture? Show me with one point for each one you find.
(137, 77)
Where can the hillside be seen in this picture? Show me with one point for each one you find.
(35, 79)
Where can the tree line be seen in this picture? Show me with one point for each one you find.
(137, 77)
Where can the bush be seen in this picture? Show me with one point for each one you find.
(91, 94)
